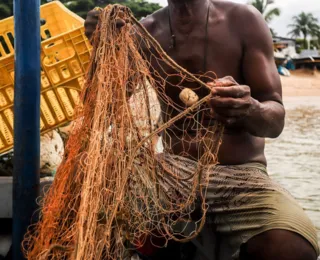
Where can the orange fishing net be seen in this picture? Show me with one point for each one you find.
(113, 190)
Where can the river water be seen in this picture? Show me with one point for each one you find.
(294, 157)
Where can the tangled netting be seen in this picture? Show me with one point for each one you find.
(113, 190)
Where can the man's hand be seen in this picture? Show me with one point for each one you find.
(231, 102)
(91, 22)
(92, 19)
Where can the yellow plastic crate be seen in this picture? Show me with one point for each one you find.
(65, 55)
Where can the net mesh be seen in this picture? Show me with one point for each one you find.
(113, 191)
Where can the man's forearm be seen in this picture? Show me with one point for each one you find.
(266, 119)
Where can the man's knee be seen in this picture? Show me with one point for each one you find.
(278, 245)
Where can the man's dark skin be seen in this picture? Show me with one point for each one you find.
(240, 46)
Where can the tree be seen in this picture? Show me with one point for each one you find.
(6, 8)
(80, 7)
(304, 24)
(273, 33)
(140, 8)
(5, 11)
(263, 7)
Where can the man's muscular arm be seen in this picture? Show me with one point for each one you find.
(258, 108)
(260, 73)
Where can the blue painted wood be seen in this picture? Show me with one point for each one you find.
(26, 118)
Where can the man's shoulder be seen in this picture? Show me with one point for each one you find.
(237, 12)
(239, 8)
(151, 21)
(244, 19)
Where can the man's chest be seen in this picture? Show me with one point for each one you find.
(218, 51)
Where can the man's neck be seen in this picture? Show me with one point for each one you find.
(187, 11)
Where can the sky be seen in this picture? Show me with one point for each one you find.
(289, 8)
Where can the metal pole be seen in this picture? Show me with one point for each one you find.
(26, 119)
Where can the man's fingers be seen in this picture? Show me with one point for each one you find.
(221, 83)
(92, 19)
(227, 102)
(95, 12)
(232, 91)
(230, 101)
(91, 22)
(224, 82)
(120, 23)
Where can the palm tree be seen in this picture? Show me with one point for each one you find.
(263, 7)
(305, 24)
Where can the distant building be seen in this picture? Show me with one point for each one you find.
(284, 47)
(288, 42)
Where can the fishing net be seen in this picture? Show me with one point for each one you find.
(116, 189)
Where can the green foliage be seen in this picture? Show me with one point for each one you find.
(80, 7)
(6, 9)
(301, 44)
(315, 43)
(304, 24)
(140, 8)
(270, 14)
(264, 8)
(273, 33)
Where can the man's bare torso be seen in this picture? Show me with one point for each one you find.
(224, 58)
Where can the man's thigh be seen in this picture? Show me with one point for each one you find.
(278, 245)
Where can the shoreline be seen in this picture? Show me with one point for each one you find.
(301, 83)
(293, 156)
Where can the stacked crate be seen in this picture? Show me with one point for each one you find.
(65, 55)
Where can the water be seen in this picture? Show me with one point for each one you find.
(294, 157)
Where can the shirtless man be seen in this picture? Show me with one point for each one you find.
(239, 45)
